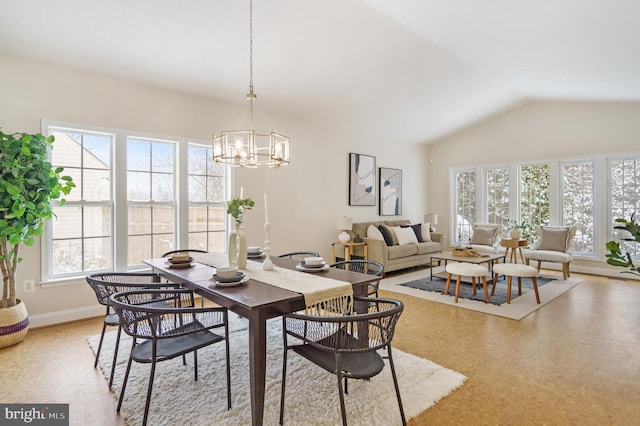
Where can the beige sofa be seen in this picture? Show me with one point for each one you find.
(393, 257)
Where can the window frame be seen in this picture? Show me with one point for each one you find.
(119, 197)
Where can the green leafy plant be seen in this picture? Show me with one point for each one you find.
(237, 206)
(528, 230)
(28, 184)
(615, 256)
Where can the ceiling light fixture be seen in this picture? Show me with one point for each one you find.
(248, 148)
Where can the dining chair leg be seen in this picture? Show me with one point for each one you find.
(341, 393)
(95, 364)
(115, 356)
(395, 384)
(149, 390)
(195, 366)
(124, 383)
(284, 377)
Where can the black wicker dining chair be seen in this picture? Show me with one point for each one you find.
(366, 267)
(108, 283)
(300, 254)
(345, 345)
(164, 333)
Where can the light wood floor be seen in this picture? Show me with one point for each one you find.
(576, 361)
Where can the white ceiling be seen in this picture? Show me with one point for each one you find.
(412, 70)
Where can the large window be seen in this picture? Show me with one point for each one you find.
(207, 208)
(624, 196)
(150, 197)
(578, 203)
(125, 206)
(497, 195)
(82, 233)
(534, 193)
(558, 192)
(465, 184)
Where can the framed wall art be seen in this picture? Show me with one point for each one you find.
(362, 180)
(390, 192)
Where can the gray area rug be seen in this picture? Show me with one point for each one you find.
(466, 289)
(311, 396)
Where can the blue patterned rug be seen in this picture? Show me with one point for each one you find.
(466, 291)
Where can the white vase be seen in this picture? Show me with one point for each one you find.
(516, 234)
(238, 248)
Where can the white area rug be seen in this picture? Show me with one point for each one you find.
(311, 396)
(519, 307)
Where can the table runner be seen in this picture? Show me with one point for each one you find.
(321, 295)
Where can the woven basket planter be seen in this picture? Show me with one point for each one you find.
(14, 324)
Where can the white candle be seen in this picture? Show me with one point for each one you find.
(242, 192)
(266, 211)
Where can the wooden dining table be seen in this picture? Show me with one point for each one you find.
(257, 302)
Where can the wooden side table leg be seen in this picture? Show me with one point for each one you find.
(333, 253)
(521, 255)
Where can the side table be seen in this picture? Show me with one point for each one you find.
(512, 244)
(348, 250)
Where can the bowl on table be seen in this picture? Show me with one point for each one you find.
(253, 250)
(313, 262)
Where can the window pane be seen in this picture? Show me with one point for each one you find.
(498, 196)
(465, 205)
(81, 235)
(624, 198)
(97, 252)
(162, 187)
(139, 248)
(197, 188)
(138, 155)
(138, 186)
(96, 221)
(139, 220)
(163, 157)
(578, 203)
(162, 221)
(66, 256)
(534, 193)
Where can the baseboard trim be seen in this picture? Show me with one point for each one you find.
(67, 315)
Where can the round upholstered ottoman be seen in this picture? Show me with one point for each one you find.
(462, 269)
(511, 270)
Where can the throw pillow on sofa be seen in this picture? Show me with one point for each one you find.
(417, 229)
(388, 235)
(405, 236)
(374, 233)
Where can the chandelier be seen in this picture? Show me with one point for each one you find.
(249, 148)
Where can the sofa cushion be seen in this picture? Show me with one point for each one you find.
(428, 247)
(397, 252)
(405, 235)
(483, 236)
(555, 239)
(388, 234)
(374, 233)
(417, 229)
(425, 229)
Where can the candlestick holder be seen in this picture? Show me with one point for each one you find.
(267, 265)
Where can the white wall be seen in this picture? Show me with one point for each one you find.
(305, 198)
(537, 131)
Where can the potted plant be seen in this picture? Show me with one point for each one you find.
(357, 238)
(236, 207)
(518, 230)
(28, 184)
(615, 256)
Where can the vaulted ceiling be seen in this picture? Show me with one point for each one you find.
(414, 70)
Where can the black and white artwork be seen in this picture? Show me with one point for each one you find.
(362, 180)
(390, 192)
